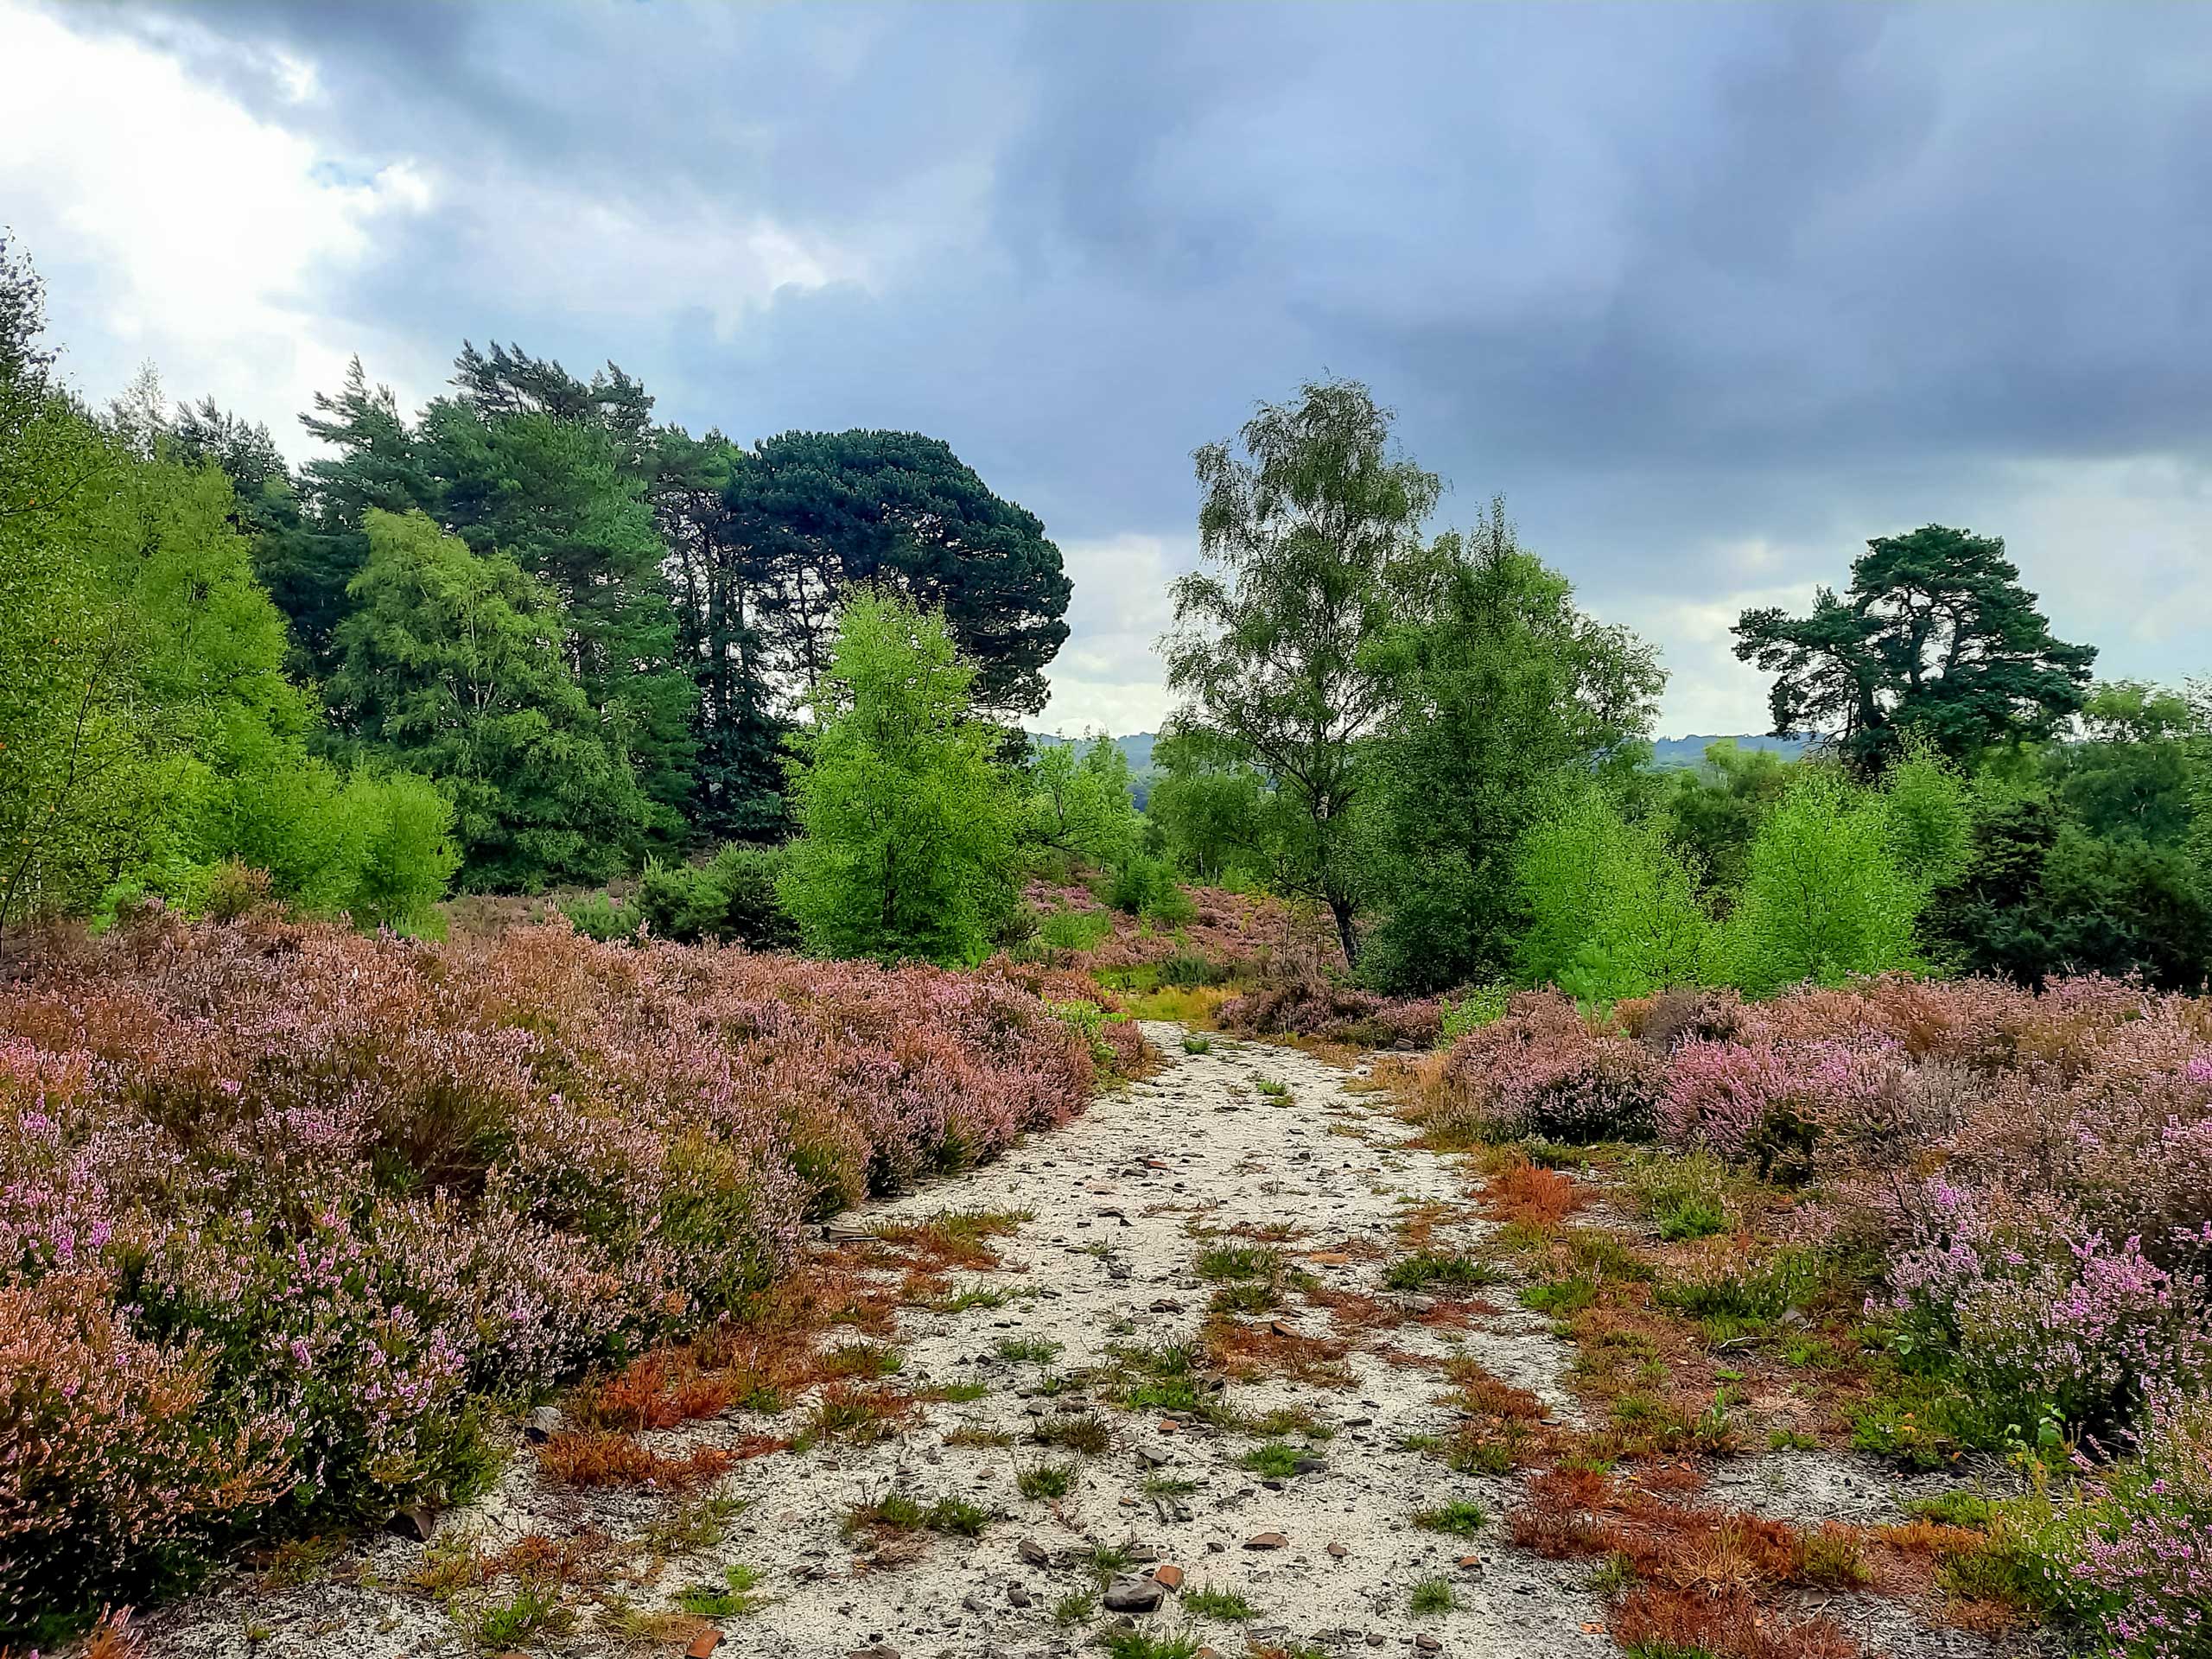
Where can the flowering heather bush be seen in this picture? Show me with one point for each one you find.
(2047, 1318)
(2143, 1557)
(1543, 1071)
(281, 1199)
(1336, 1014)
(2031, 1172)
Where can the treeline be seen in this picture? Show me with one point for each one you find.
(1424, 735)
(528, 637)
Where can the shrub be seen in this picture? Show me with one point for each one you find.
(363, 1179)
(2137, 1562)
(113, 1468)
(1544, 1073)
(1074, 930)
(1333, 1013)
(2047, 1320)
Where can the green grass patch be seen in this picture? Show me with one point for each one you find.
(1239, 1261)
(1044, 1480)
(1209, 1603)
(1462, 1519)
(1430, 1595)
(1277, 1460)
(1427, 1268)
(733, 1597)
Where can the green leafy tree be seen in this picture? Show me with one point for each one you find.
(1505, 693)
(820, 515)
(1935, 636)
(75, 794)
(1211, 807)
(1309, 525)
(908, 841)
(2139, 765)
(719, 579)
(1613, 906)
(455, 666)
(1716, 807)
(307, 565)
(2041, 895)
(549, 490)
(1825, 896)
(1080, 801)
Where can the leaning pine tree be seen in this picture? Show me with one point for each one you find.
(907, 837)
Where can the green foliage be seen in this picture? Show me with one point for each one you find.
(735, 1596)
(1207, 1602)
(453, 667)
(1684, 1194)
(1824, 897)
(149, 738)
(1074, 930)
(1936, 636)
(1213, 809)
(1613, 907)
(1714, 810)
(1430, 1595)
(731, 898)
(1079, 801)
(908, 842)
(824, 516)
(1462, 1518)
(1142, 885)
(1503, 693)
(1307, 534)
(1485, 1005)
(527, 463)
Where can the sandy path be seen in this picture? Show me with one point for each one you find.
(1124, 1200)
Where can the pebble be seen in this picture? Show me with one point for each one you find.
(1134, 1596)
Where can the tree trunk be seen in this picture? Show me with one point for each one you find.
(1341, 909)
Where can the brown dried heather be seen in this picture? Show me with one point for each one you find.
(1249, 1352)
(659, 1390)
(1537, 1198)
(1480, 1389)
(1656, 1619)
(608, 1458)
(1562, 1516)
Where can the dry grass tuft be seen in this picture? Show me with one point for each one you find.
(611, 1458)
(1539, 1200)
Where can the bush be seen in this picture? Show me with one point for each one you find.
(598, 917)
(1333, 1013)
(1074, 930)
(1141, 886)
(2047, 1320)
(1542, 1072)
(729, 899)
(112, 1467)
(362, 1179)
(2135, 1562)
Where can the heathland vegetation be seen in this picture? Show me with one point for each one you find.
(465, 902)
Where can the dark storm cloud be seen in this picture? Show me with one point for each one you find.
(1677, 280)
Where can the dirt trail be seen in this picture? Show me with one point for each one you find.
(1124, 1200)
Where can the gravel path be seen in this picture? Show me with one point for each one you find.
(1124, 1201)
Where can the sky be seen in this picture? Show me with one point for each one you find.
(1711, 294)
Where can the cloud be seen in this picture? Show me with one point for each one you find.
(1106, 678)
(1713, 294)
(173, 224)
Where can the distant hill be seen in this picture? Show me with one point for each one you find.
(1137, 746)
(1669, 753)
